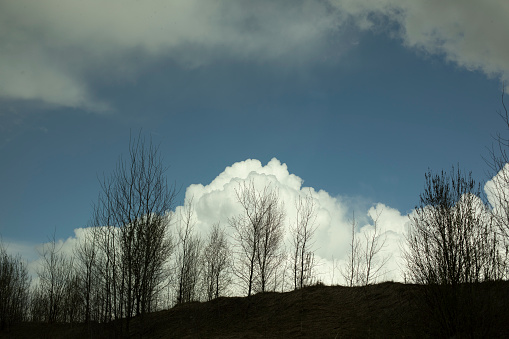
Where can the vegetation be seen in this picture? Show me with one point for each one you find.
(386, 310)
(139, 257)
(14, 290)
(364, 263)
(452, 246)
(303, 260)
(258, 233)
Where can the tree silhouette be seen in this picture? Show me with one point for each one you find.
(258, 232)
(132, 222)
(452, 245)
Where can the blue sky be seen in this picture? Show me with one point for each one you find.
(357, 98)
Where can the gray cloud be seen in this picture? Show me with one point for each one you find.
(472, 34)
(50, 48)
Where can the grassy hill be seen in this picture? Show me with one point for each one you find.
(386, 310)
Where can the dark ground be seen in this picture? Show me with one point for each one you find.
(387, 310)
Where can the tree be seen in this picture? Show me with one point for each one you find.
(451, 240)
(498, 187)
(109, 297)
(351, 272)
(364, 264)
(54, 275)
(258, 232)
(216, 263)
(372, 263)
(303, 231)
(14, 289)
(188, 256)
(132, 222)
(86, 260)
(451, 243)
(269, 255)
(73, 308)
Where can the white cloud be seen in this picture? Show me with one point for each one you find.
(394, 227)
(216, 202)
(30, 252)
(497, 192)
(497, 188)
(27, 251)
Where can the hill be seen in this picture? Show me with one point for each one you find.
(386, 310)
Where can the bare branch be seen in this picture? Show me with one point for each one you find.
(258, 234)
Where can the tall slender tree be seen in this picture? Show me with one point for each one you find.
(216, 263)
(498, 187)
(132, 219)
(54, 275)
(258, 232)
(365, 263)
(302, 240)
(351, 272)
(188, 256)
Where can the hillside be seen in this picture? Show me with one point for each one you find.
(383, 310)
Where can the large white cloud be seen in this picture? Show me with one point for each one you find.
(216, 202)
(497, 189)
(48, 48)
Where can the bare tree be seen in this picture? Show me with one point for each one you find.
(109, 297)
(188, 256)
(258, 232)
(303, 231)
(365, 264)
(86, 255)
(74, 307)
(132, 224)
(451, 245)
(14, 289)
(216, 263)
(270, 255)
(54, 274)
(372, 262)
(351, 272)
(498, 188)
(451, 240)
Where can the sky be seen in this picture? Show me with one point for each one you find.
(351, 99)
